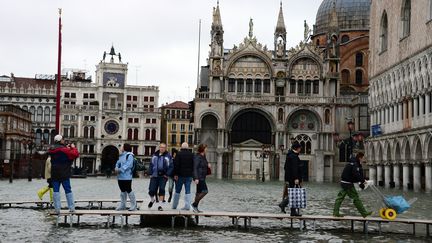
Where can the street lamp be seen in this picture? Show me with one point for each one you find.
(30, 145)
(265, 152)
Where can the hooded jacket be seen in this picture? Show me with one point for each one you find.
(61, 161)
(161, 165)
(124, 165)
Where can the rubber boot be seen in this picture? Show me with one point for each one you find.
(123, 198)
(57, 202)
(51, 194)
(70, 202)
(42, 192)
(187, 201)
(283, 204)
(175, 200)
(133, 203)
(359, 205)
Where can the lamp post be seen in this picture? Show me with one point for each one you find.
(265, 152)
(350, 128)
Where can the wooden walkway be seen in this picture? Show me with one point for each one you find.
(91, 203)
(236, 217)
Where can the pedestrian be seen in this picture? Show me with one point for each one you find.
(183, 174)
(124, 171)
(292, 175)
(62, 157)
(352, 173)
(200, 170)
(41, 192)
(170, 177)
(161, 166)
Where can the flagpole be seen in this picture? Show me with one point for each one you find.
(58, 94)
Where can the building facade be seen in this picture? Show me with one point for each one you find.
(400, 151)
(176, 125)
(100, 116)
(254, 102)
(15, 136)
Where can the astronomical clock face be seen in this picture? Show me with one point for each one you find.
(116, 80)
(111, 127)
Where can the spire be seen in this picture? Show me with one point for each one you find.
(280, 27)
(333, 16)
(217, 20)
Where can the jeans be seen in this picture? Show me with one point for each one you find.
(65, 183)
(186, 181)
(157, 183)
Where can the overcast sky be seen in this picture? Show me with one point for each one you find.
(159, 38)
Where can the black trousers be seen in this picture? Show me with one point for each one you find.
(125, 185)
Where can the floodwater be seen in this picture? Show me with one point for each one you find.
(29, 225)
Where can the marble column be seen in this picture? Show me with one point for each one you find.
(387, 174)
(417, 177)
(379, 174)
(405, 179)
(415, 107)
(428, 177)
(372, 173)
(219, 165)
(396, 175)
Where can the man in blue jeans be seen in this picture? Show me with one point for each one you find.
(62, 157)
(160, 168)
(183, 174)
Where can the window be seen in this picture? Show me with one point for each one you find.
(173, 139)
(190, 127)
(359, 59)
(147, 134)
(92, 96)
(85, 148)
(152, 98)
(266, 86)
(231, 85)
(91, 149)
(190, 139)
(153, 134)
(53, 114)
(183, 114)
(86, 132)
(129, 135)
(280, 115)
(240, 86)
(136, 120)
(92, 132)
(128, 98)
(384, 32)
(182, 128)
(359, 76)
(154, 121)
(135, 134)
(300, 87)
(363, 118)
(345, 38)
(173, 127)
(47, 114)
(182, 138)
(85, 96)
(308, 87)
(135, 98)
(135, 149)
(39, 114)
(406, 18)
(147, 120)
(257, 86)
(305, 142)
(327, 116)
(292, 87)
(73, 95)
(86, 118)
(85, 103)
(316, 87)
(345, 76)
(249, 86)
(145, 98)
(66, 95)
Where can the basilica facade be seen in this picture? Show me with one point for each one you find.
(253, 102)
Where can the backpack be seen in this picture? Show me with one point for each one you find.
(137, 165)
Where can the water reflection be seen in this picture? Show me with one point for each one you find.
(250, 196)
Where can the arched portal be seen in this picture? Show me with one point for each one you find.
(251, 125)
(110, 155)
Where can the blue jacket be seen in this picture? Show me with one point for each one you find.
(125, 166)
(161, 165)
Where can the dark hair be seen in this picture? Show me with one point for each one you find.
(295, 146)
(360, 155)
(127, 147)
(174, 151)
(201, 148)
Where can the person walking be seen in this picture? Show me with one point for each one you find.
(352, 173)
(124, 171)
(292, 175)
(160, 168)
(41, 192)
(200, 171)
(62, 157)
(171, 177)
(183, 173)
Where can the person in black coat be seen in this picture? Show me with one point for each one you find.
(292, 175)
(183, 175)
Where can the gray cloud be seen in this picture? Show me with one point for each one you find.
(158, 36)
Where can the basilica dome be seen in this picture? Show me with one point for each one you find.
(351, 14)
